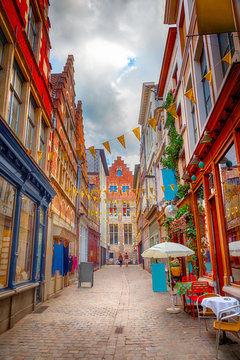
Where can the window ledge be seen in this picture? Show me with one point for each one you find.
(232, 291)
(6, 293)
(18, 290)
(26, 287)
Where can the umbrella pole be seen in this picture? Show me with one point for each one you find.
(172, 309)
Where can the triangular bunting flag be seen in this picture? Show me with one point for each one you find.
(120, 192)
(143, 191)
(40, 155)
(92, 151)
(172, 110)
(50, 156)
(163, 188)
(107, 146)
(190, 95)
(29, 151)
(152, 122)
(172, 187)
(105, 200)
(121, 139)
(151, 189)
(82, 194)
(127, 191)
(228, 58)
(208, 76)
(136, 132)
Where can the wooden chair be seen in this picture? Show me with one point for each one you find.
(222, 325)
(198, 288)
(209, 314)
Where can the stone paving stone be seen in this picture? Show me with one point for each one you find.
(81, 324)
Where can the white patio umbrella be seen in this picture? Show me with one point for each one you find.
(166, 250)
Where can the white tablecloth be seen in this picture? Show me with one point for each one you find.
(216, 304)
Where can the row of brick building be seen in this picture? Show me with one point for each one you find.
(53, 193)
(196, 108)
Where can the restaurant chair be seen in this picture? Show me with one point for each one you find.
(186, 302)
(209, 314)
(222, 325)
(198, 288)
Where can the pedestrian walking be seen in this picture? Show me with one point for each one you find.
(126, 259)
(120, 259)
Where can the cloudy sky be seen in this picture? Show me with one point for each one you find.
(117, 45)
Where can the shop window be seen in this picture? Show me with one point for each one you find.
(31, 123)
(207, 267)
(111, 255)
(230, 185)
(113, 231)
(128, 234)
(226, 44)
(25, 240)
(113, 209)
(7, 201)
(42, 142)
(40, 242)
(205, 83)
(16, 87)
(32, 28)
(126, 209)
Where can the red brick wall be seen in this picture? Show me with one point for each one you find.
(126, 179)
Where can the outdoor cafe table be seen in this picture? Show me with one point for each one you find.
(218, 303)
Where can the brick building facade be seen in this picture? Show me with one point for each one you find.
(121, 212)
(63, 174)
(25, 135)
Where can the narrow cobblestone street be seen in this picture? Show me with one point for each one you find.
(119, 318)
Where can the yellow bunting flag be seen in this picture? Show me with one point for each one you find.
(121, 139)
(228, 58)
(69, 189)
(172, 110)
(151, 189)
(146, 198)
(143, 191)
(136, 132)
(172, 187)
(82, 194)
(152, 122)
(29, 151)
(190, 95)
(105, 200)
(208, 76)
(40, 155)
(92, 151)
(50, 156)
(107, 146)
(127, 191)
(163, 188)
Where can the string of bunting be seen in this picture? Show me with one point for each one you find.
(171, 109)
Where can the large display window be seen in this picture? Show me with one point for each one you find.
(230, 185)
(7, 201)
(26, 240)
(205, 245)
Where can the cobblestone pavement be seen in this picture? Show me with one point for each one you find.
(119, 318)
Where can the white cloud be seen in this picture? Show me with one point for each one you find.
(117, 45)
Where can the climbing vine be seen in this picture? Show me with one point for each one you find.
(170, 156)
